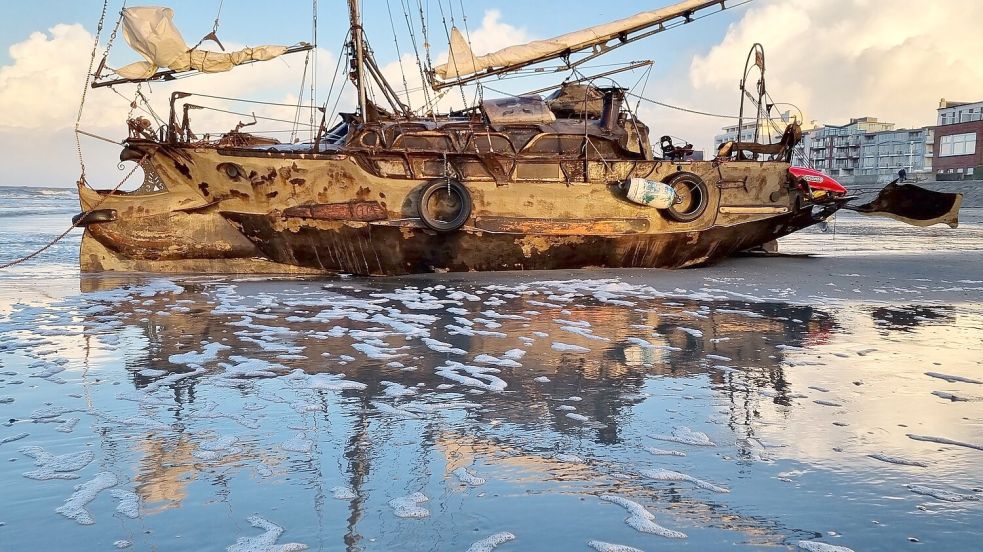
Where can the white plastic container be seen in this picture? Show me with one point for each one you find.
(651, 193)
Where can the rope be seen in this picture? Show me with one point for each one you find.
(399, 56)
(74, 225)
(687, 110)
(85, 89)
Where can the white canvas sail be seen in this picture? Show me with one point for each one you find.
(150, 31)
(462, 62)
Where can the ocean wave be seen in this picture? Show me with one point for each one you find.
(27, 212)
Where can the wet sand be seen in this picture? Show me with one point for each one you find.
(762, 402)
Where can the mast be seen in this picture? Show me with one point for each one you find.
(358, 45)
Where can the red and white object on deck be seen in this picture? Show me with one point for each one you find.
(819, 184)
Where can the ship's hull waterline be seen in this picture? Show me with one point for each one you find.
(247, 211)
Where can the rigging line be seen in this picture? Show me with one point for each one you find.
(687, 110)
(300, 95)
(453, 58)
(648, 73)
(85, 89)
(248, 115)
(112, 38)
(244, 100)
(334, 77)
(480, 92)
(399, 55)
(144, 109)
(212, 34)
(426, 50)
(416, 51)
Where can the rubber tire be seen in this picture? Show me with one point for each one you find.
(86, 218)
(696, 183)
(462, 216)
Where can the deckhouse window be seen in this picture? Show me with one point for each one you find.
(556, 144)
(423, 142)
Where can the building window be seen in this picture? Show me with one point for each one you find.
(969, 171)
(957, 144)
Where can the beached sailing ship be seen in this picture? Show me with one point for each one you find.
(515, 183)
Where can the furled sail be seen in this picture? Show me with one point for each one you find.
(151, 32)
(462, 62)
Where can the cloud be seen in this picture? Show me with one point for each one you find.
(838, 59)
(40, 91)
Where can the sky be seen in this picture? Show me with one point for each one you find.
(831, 59)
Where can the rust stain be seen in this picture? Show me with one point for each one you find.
(364, 211)
(562, 227)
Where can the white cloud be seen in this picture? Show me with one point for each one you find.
(838, 59)
(40, 91)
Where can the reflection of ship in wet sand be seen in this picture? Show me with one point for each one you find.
(678, 336)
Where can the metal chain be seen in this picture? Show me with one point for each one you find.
(74, 224)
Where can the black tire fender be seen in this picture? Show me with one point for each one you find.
(455, 188)
(696, 189)
(86, 218)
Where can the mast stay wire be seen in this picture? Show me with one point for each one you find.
(416, 52)
(399, 56)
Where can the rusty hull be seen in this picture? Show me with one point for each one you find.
(246, 210)
(385, 249)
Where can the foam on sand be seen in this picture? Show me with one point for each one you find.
(129, 502)
(265, 542)
(488, 543)
(686, 436)
(74, 507)
(814, 546)
(298, 443)
(406, 506)
(567, 348)
(896, 460)
(641, 519)
(342, 492)
(602, 546)
(669, 475)
(481, 377)
(208, 353)
(944, 441)
(15, 437)
(52, 466)
(209, 451)
(664, 452)
(465, 476)
(942, 494)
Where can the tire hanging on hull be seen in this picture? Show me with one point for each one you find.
(445, 205)
(692, 197)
